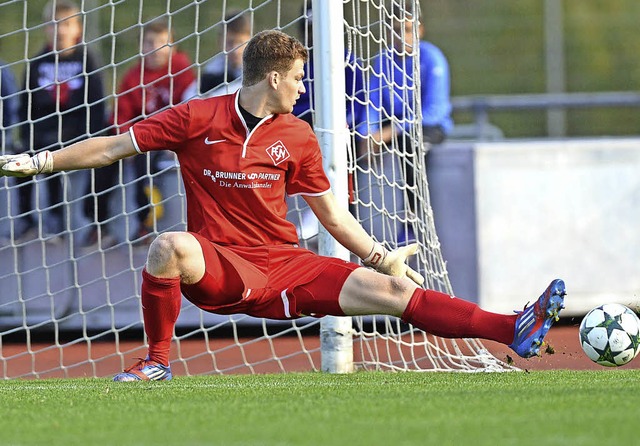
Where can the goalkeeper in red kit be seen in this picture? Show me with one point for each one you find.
(240, 155)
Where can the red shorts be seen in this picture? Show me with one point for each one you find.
(275, 282)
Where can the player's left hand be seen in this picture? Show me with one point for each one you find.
(393, 263)
(24, 165)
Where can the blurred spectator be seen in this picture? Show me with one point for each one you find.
(158, 81)
(96, 205)
(62, 102)
(225, 68)
(390, 113)
(354, 77)
(9, 113)
(304, 219)
(392, 82)
(8, 106)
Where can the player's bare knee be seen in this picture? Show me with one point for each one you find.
(369, 292)
(400, 290)
(400, 285)
(394, 287)
(388, 285)
(176, 254)
(166, 251)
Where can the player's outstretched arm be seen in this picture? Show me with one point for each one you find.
(350, 234)
(90, 153)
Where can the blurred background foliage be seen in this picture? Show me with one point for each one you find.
(493, 47)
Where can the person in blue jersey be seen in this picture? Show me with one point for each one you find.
(305, 107)
(391, 112)
(392, 82)
(354, 78)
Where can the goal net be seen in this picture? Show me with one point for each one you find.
(72, 245)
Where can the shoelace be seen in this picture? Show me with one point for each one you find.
(138, 365)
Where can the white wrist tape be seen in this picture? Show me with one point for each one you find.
(376, 256)
(43, 162)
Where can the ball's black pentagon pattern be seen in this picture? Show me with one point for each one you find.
(610, 335)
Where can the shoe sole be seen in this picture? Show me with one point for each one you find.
(131, 378)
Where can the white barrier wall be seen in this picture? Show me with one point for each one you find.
(541, 210)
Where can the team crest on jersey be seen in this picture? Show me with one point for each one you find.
(278, 152)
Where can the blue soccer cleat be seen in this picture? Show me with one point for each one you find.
(145, 370)
(534, 321)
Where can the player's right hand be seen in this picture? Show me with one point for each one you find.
(24, 165)
(393, 263)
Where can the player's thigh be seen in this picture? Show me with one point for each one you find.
(320, 295)
(368, 292)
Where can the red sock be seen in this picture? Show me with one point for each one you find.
(161, 299)
(449, 317)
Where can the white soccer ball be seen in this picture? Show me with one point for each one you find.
(610, 335)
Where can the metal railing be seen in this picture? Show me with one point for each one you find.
(480, 106)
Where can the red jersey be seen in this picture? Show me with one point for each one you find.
(144, 92)
(235, 179)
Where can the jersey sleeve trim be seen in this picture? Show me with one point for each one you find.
(135, 142)
(308, 194)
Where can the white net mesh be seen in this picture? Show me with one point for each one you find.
(72, 245)
(391, 197)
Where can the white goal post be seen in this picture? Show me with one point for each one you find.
(330, 127)
(70, 304)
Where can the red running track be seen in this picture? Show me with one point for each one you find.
(108, 358)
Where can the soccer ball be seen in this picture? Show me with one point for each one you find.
(610, 335)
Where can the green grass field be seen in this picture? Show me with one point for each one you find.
(537, 408)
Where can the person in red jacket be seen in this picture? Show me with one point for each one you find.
(155, 83)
